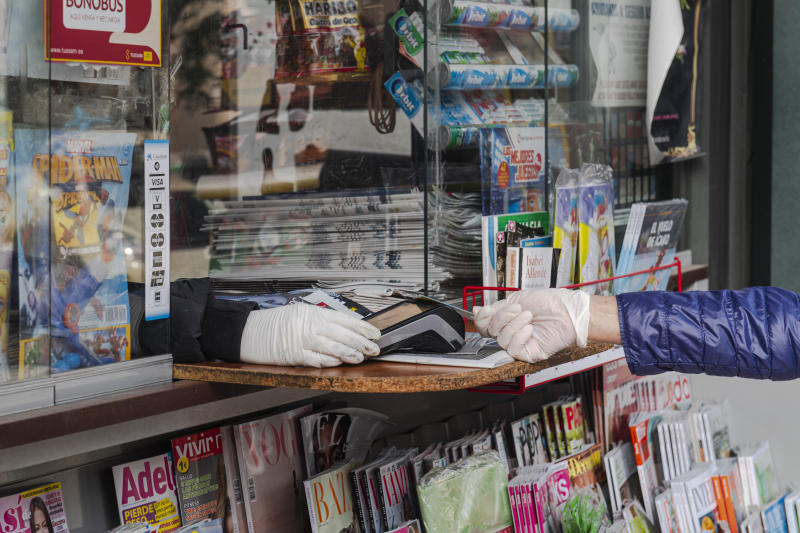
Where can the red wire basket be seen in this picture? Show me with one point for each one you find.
(474, 294)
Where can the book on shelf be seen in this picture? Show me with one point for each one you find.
(644, 436)
(623, 479)
(773, 516)
(650, 241)
(146, 492)
(494, 262)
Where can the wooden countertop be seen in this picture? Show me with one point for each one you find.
(374, 376)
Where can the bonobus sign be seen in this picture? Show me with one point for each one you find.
(117, 32)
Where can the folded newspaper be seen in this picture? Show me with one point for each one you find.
(478, 352)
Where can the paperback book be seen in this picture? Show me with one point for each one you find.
(651, 240)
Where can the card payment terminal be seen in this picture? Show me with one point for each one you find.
(419, 325)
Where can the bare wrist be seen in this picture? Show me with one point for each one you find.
(604, 320)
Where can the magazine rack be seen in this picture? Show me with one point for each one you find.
(474, 294)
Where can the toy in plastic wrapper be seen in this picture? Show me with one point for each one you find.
(596, 234)
(469, 496)
(585, 512)
(565, 230)
(89, 311)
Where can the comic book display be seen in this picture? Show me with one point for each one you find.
(6, 235)
(75, 189)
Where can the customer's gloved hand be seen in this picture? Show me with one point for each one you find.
(534, 324)
(306, 335)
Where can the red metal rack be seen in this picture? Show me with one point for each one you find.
(474, 293)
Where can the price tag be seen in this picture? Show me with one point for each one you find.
(156, 229)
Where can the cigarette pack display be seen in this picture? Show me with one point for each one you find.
(38, 509)
(146, 492)
(271, 469)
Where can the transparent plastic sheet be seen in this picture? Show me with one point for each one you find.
(469, 496)
(585, 512)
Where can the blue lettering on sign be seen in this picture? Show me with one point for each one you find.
(604, 9)
(403, 95)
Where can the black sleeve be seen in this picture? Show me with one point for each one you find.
(199, 327)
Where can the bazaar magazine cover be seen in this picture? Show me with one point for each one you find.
(89, 178)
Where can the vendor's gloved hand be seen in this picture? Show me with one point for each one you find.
(534, 324)
(306, 335)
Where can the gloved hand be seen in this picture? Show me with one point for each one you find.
(306, 335)
(534, 324)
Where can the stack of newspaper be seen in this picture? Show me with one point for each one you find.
(375, 236)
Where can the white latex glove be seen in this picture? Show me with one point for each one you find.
(306, 335)
(534, 324)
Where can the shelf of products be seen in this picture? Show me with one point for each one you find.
(379, 377)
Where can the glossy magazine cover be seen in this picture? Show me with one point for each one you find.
(75, 185)
(36, 510)
(89, 311)
(146, 492)
(271, 465)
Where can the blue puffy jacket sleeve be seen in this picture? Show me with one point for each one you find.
(750, 333)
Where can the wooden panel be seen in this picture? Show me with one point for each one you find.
(372, 376)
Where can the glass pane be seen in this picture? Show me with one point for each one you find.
(292, 164)
(73, 128)
(24, 194)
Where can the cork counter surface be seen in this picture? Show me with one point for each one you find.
(374, 376)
